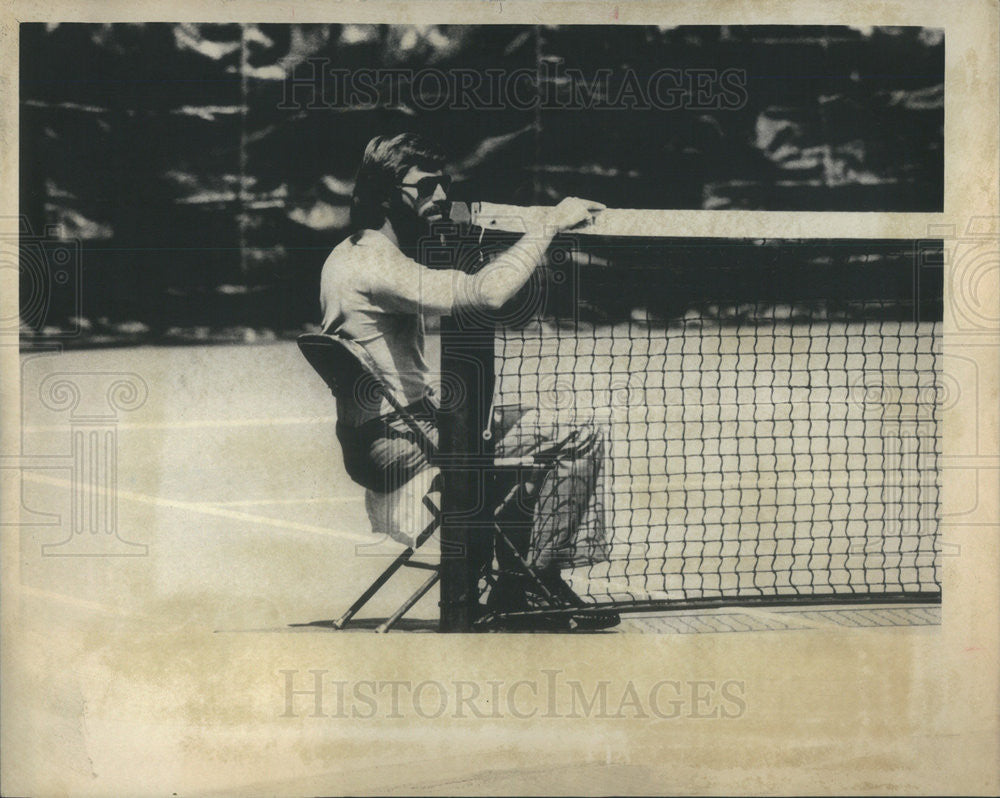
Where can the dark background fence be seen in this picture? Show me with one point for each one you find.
(206, 169)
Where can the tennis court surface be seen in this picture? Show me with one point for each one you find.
(772, 442)
(240, 497)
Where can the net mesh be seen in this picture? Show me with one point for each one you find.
(767, 410)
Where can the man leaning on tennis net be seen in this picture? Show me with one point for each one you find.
(374, 293)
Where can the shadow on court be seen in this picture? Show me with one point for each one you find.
(370, 624)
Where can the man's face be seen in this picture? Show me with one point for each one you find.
(426, 194)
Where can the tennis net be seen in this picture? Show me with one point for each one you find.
(767, 410)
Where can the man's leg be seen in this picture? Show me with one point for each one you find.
(552, 500)
(560, 489)
(384, 454)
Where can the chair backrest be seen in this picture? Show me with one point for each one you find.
(343, 365)
(349, 373)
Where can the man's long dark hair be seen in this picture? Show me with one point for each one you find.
(386, 161)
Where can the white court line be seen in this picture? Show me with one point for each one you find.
(328, 500)
(205, 508)
(220, 422)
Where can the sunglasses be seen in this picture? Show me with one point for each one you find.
(425, 186)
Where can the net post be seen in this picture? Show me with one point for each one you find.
(467, 350)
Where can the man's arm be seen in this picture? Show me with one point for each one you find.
(498, 282)
(400, 284)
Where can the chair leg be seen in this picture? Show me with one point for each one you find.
(553, 592)
(527, 572)
(408, 604)
(384, 577)
(515, 499)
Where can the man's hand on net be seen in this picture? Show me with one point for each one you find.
(574, 211)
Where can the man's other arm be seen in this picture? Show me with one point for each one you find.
(502, 278)
(400, 284)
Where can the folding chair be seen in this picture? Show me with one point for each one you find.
(548, 604)
(344, 365)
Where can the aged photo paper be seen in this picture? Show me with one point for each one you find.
(674, 325)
